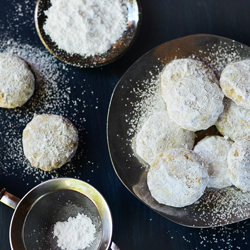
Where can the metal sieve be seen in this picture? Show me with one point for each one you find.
(56, 200)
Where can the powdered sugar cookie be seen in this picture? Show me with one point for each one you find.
(49, 141)
(239, 163)
(214, 150)
(182, 68)
(158, 134)
(234, 121)
(177, 178)
(235, 82)
(194, 103)
(17, 82)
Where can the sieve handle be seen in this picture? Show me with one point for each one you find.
(114, 246)
(8, 199)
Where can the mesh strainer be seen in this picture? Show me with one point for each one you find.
(52, 201)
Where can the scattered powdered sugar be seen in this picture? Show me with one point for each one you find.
(52, 95)
(219, 55)
(232, 237)
(75, 233)
(148, 101)
(85, 27)
(222, 206)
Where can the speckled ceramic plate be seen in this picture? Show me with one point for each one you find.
(116, 51)
(135, 96)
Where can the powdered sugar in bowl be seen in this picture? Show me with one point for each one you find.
(61, 213)
(88, 33)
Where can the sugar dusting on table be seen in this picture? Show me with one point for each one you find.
(52, 95)
(224, 238)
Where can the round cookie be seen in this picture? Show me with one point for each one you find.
(195, 104)
(239, 163)
(17, 82)
(235, 82)
(158, 134)
(234, 121)
(49, 141)
(182, 68)
(214, 150)
(177, 178)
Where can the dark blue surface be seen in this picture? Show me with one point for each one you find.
(136, 227)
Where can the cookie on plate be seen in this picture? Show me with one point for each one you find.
(177, 178)
(239, 163)
(214, 151)
(17, 82)
(235, 82)
(234, 121)
(182, 68)
(49, 141)
(194, 103)
(158, 134)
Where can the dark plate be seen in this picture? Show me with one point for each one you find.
(215, 207)
(116, 51)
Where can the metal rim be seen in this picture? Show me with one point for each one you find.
(23, 207)
(128, 168)
(116, 51)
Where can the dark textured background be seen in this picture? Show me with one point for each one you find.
(136, 227)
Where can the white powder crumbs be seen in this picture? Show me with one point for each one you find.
(85, 27)
(76, 233)
(148, 101)
(54, 95)
(225, 238)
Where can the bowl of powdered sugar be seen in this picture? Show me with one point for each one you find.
(61, 214)
(87, 33)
